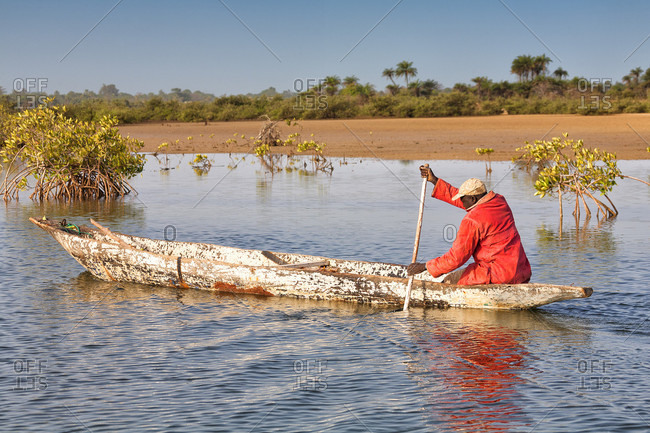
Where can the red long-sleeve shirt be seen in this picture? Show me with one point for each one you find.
(488, 233)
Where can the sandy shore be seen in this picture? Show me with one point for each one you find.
(439, 138)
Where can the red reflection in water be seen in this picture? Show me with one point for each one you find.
(477, 371)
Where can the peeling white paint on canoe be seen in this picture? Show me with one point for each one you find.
(214, 267)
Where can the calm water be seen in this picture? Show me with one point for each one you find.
(79, 354)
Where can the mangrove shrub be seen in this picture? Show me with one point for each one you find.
(66, 158)
(567, 166)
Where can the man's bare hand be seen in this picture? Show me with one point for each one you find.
(425, 171)
(416, 268)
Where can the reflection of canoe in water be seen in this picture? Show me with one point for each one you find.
(118, 257)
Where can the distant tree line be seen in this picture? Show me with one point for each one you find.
(536, 91)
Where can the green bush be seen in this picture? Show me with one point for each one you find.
(333, 107)
(380, 106)
(68, 158)
(568, 167)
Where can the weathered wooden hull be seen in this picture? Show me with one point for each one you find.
(118, 257)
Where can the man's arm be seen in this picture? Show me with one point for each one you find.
(444, 192)
(441, 189)
(462, 249)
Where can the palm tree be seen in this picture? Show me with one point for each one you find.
(502, 88)
(627, 80)
(331, 84)
(405, 69)
(428, 87)
(635, 74)
(416, 87)
(366, 91)
(540, 65)
(522, 67)
(645, 78)
(363, 91)
(517, 68)
(560, 73)
(350, 81)
(482, 83)
(393, 89)
(317, 89)
(390, 74)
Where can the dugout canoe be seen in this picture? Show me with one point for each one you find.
(113, 256)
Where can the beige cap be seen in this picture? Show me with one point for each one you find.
(471, 186)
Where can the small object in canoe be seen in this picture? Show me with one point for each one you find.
(272, 257)
(115, 256)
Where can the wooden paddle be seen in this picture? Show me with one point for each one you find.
(417, 240)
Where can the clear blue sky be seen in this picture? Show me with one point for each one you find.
(146, 46)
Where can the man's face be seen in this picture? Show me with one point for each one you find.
(468, 201)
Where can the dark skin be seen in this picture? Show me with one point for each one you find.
(467, 200)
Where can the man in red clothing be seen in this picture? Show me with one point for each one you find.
(487, 232)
